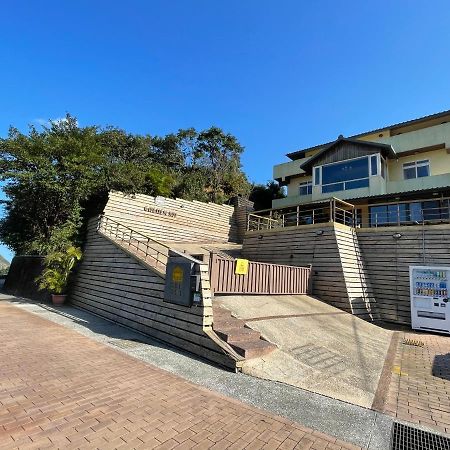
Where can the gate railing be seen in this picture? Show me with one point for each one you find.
(150, 250)
(261, 278)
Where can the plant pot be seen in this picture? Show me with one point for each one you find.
(58, 299)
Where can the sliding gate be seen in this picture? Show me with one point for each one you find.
(261, 278)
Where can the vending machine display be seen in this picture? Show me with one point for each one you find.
(430, 307)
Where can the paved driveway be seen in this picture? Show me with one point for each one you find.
(321, 348)
(60, 389)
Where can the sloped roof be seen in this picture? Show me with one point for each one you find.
(298, 153)
(385, 149)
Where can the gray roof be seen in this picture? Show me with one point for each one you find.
(386, 149)
(299, 153)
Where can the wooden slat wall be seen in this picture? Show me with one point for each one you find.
(114, 285)
(387, 262)
(300, 246)
(194, 221)
(345, 150)
(338, 276)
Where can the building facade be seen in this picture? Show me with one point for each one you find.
(396, 175)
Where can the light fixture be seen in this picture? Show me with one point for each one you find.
(397, 236)
(260, 236)
(319, 232)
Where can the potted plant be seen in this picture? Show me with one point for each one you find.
(55, 276)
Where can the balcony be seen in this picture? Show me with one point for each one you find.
(418, 184)
(289, 169)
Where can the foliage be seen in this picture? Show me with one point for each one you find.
(58, 176)
(57, 268)
(262, 195)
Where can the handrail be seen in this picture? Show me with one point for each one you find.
(330, 211)
(156, 257)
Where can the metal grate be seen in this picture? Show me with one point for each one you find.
(413, 342)
(408, 438)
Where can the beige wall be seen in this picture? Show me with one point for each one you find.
(439, 163)
(293, 186)
(173, 220)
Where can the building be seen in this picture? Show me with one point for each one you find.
(396, 175)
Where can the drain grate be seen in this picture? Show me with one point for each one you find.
(409, 438)
(413, 342)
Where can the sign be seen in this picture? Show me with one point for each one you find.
(177, 274)
(161, 212)
(241, 267)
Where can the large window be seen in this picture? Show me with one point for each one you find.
(412, 213)
(345, 175)
(305, 188)
(416, 169)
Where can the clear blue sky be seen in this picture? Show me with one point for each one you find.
(280, 75)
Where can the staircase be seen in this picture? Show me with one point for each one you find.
(148, 250)
(245, 341)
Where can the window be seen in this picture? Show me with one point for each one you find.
(412, 213)
(416, 169)
(305, 188)
(316, 176)
(344, 175)
(374, 165)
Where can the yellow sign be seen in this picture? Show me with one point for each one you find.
(241, 267)
(177, 274)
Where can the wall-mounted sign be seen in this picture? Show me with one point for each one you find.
(241, 267)
(161, 212)
(177, 274)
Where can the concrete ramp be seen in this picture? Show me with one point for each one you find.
(320, 348)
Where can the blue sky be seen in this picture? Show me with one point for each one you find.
(280, 75)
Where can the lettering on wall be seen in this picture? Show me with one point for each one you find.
(161, 212)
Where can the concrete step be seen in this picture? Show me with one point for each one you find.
(237, 334)
(245, 341)
(253, 349)
(227, 323)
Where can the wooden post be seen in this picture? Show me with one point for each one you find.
(298, 212)
(331, 210)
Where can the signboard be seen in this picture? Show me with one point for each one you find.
(161, 212)
(177, 274)
(178, 282)
(241, 267)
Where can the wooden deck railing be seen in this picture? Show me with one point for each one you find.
(155, 253)
(334, 210)
(262, 278)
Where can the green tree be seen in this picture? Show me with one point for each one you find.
(262, 195)
(219, 153)
(61, 175)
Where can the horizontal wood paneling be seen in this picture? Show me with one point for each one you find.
(182, 221)
(114, 285)
(300, 247)
(387, 262)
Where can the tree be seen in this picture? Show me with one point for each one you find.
(47, 175)
(262, 195)
(58, 177)
(219, 153)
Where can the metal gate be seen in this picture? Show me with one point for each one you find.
(261, 278)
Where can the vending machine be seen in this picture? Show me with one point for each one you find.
(430, 307)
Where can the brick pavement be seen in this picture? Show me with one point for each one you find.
(59, 389)
(419, 391)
